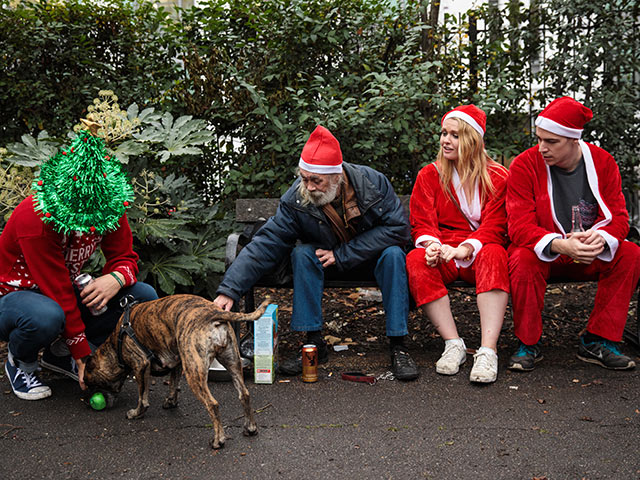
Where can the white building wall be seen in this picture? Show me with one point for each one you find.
(456, 7)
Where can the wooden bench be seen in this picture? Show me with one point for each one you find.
(249, 211)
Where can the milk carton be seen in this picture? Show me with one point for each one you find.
(265, 346)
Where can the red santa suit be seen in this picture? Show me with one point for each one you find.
(533, 225)
(435, 217)
(35, 256)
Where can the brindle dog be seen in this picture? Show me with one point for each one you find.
(179, 332)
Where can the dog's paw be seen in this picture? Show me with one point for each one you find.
(134, 413)
(217, 444)
(170, 403)
(250, 430)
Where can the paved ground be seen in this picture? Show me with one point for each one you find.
(565, 420)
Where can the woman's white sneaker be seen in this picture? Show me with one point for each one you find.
(485, 366)
(454, 355)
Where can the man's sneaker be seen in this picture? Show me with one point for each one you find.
(485, 366)
(525, 357)
(65, 365)
(454, 355)
(604, 353)
(293, 366)
(26, 386)
(402, 365)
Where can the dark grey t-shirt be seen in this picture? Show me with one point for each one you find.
(572, 188)
(569, 189)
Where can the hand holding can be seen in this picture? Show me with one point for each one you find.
(82, 281)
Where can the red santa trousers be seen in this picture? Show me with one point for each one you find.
(617, 281)
(488, 272)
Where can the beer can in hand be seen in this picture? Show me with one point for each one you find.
(309, 363)
(82, 281)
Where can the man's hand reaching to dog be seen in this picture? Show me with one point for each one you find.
(100, 291)
(81, 362)
(223, 302)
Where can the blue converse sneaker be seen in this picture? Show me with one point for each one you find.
(25, 385)
(604, 353)
(65, 365)
(525, 357)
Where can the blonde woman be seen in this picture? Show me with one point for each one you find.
(458, 222)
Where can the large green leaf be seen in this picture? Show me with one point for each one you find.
(176, 138)
(161, 228)
(169, 270)
(31, 151)
(129, 148)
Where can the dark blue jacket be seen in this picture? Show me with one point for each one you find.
(383, 223)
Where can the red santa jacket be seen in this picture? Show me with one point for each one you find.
(34, 256)
(531, 214)
(434, 216)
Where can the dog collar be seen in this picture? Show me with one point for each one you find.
(125, 329)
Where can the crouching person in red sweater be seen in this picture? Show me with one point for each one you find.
(78, 205)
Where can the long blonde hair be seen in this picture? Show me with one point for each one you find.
(473, 162)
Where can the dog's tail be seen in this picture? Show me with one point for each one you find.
(225, 316)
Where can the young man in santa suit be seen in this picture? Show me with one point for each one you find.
(337, 220)
(544, 183)
(43, 247)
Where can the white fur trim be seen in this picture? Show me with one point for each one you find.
(426, 238)
(542, 244)
(477, 246)
(320, 169)
(592, 177)
(467, 118)
(613, 243)
(555, 127)
(473, 212)
(553, 206)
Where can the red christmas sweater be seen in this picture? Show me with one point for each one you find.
(34, 256)
(434, 216)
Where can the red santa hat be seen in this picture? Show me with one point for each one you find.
(471, 115)
(564, 116)
(321, 154)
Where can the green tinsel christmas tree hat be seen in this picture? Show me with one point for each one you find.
(82, 188)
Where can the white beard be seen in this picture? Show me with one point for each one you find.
(320, 199)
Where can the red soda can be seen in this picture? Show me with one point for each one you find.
(309, 363)
(82, 281)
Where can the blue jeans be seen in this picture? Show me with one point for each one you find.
(308, 284)
(30, 321)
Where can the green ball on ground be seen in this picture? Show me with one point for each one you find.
(97, 401)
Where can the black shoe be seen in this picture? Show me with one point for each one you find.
(293, 366)
(402, 365)
(65, 365)
(525, 357)
(604, 353)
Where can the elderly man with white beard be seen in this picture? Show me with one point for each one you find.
(338, 220)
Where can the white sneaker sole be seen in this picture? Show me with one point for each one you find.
(482, 378)
(448, 371)
(37, 393)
